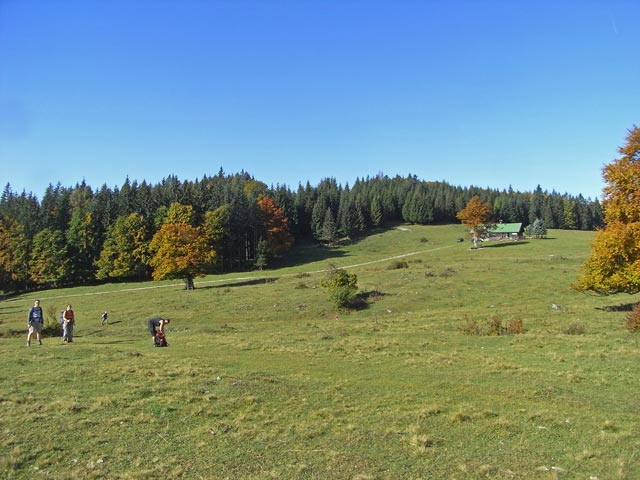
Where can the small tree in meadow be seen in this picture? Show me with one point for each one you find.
(342, 287)
(536, 229)
(476, 216)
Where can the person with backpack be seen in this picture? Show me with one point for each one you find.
(35, 322)
(156, 323)
(69, 322)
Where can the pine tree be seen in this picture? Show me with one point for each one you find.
(329, 230)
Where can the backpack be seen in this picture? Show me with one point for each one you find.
(160, 340)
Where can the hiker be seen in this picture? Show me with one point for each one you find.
(104, 317)
(69, 322)
(35, 321)
(156, 323)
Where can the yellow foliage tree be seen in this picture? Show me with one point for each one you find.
(476, 216)
(614, 262)
(181, 250)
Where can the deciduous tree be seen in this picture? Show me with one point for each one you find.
(125, 253)
(276, 226)
(49, 263)
(14, 255)
(476, 216)
(614, 263)
(181, 250)
(217, 231)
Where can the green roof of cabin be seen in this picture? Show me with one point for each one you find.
(506, 228)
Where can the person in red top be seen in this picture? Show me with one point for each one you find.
(69, 322)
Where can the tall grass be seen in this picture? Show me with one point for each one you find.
(264, 378)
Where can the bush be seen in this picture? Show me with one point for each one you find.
(633, 319)
(515, 327)
(52, 326)
(493, 327)
(342, 287)
(574, 329)
(471, 327)
(397, 264)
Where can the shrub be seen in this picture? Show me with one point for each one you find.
(633, 319)
(447, 272)
(342, 287)
(471, 327)
(52, 326)
(423, 240)
(515, 327)
(397, 264)
(493, 327)
(574, 329)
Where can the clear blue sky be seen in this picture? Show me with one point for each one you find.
(486, 93)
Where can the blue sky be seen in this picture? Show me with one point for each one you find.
(487, 93)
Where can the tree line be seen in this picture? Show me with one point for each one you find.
(229, 222)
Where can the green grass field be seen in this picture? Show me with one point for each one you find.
(263, 379)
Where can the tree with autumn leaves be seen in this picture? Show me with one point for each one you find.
(180, 250)
(275, 226)
(614, 263)
(476, 216)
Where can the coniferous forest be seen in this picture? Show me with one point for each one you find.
(229, 222)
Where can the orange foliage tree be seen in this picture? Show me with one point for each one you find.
(614, 262)
(476, 216)
(180, 250)
(276, 226)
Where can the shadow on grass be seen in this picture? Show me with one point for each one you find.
(623, 307)
(504, 244)
(14, 333)
(88, 334)
(240, 283)
(307, 252)
(114, 342)
(13, 309)
(363, 300)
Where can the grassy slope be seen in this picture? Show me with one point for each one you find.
(263, 379)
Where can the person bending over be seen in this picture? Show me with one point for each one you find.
(155, 325)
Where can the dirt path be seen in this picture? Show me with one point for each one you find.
(240, 279)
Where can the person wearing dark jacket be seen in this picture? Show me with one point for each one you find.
(155, 325)
(35, 322)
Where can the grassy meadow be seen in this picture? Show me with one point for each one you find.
(263, 379)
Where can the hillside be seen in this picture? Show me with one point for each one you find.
(264, 379)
